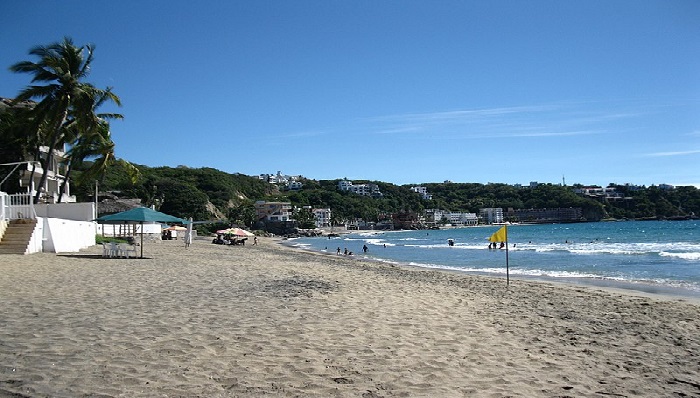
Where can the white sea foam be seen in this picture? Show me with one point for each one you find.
(597, 248)
(520, 272)
(369, 233)
(685, 256)
(457, 246)
(378, 242)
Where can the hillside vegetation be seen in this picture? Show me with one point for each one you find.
(207, 193)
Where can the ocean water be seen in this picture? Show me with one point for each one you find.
(651, 256)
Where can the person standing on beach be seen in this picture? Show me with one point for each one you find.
(338, 250)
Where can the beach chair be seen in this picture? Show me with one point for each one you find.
(113, 250)
(127, 250)
(106, 250)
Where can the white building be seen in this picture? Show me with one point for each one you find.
(423, 192)
(465, 219)
(294, 185)
(278, 178)
(491, 215)
(454, 218)
(344, 185)
(359, 189)
(323, 217)
(31, 172)
(273, 211)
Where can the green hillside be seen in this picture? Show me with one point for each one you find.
(207, 193)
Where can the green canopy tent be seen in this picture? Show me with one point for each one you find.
(139, 215)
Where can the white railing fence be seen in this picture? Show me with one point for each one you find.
(16, 206)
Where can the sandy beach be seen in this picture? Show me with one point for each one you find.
(266, 320)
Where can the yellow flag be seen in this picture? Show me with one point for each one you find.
(500, 236)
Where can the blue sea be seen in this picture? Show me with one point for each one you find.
(651, 256)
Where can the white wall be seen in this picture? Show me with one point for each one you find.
(36, 241)
(61, 235)
(68, 211)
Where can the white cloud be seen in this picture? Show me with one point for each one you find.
(559, 134)
(398, 130)
(672, 153)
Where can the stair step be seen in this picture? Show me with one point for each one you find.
(13, 251)
(17, 236)
(16, 239)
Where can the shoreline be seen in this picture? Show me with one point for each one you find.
(250, 321)
(640, 288)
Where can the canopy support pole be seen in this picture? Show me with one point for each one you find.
(141, 239)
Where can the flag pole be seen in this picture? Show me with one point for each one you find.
(502, 236)
(507, 267)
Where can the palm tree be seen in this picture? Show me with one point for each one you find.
(15, 144)
(65, 99)
(89, 137)
(98, 143)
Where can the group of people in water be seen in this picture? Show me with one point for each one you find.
(492, 246)
(345, 252)
(349, 253)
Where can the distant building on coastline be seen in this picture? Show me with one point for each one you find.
(601, 194)
(423, 192)
(278, 178)
(436, 217)
(294, 185)
(273, 211)
(491, 215)
(360, 189)
(323, 217)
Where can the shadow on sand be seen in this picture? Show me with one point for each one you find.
(99, 257)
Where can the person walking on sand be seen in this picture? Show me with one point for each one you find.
(255, 240)
(338, 250)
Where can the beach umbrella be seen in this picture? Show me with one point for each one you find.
(240, 232)
(175, 228)
(235, 231)
(139, 215)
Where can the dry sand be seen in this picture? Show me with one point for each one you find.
(215, 321)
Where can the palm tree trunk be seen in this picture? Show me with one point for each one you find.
(65, 181)
(37, 157)
(45, 172)
(49, 156)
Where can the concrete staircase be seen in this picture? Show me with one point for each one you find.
(17, 236)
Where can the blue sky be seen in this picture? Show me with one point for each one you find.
(406, 92)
